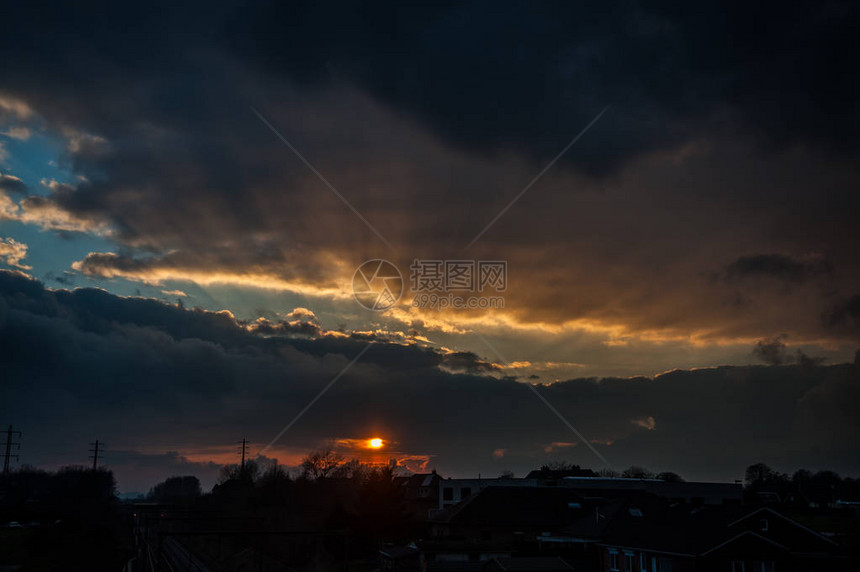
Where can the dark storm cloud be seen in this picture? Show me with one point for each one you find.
(845, 316)
(267, 327)
(724, 118)
(778, 267)
(531, 74)
(468, 362)
(771, 351)
(513, 75)
(66, 279)
(152, 377)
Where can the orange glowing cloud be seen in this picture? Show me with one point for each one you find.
(358, 444)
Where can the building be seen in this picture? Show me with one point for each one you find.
(452, 491)
(420, 493)
(649, 536)
(400, 558)
(690, 492)
(501, 522)
(623, 529)
(528, 564)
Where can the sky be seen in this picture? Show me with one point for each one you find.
(189, 192)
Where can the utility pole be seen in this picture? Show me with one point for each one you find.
(95, 453)
(9, 444)
(244, 443)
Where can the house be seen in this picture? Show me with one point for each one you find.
(452, 491)
(528, 564)
(649, 536)
(420, 493)
(552, 477)
(510, 521)
(624, 529)
(400, 558)
(690, 492)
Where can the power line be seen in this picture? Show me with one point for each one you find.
(9, 444)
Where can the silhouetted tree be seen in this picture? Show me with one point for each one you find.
(320, 464)
(273, 474)
(352, 469)
(826, 478)
(757, 474)
(559, 466)
(274, 487)
(235, 473)
(608, 473)
(569, 469)
(637, 472)
(81, 482)
(381, 511)
(670, 477)
(176, 489)
(81, 528)
(760, 475)
(507, 475)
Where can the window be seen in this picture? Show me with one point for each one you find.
(738, 566)
(448, 494)
(664, 565)
(643, 562)
(465, 492)
(764, 525)
(613, 560)
(762, 566)
(628, 562)
(634, 511)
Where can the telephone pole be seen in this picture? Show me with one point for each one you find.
(244, 444)
(9, 444)
(97, 447)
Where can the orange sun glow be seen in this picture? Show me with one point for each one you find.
(375, 443)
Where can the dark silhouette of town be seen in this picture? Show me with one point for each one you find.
(337, 514)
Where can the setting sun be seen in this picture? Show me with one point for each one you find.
(376, 443)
